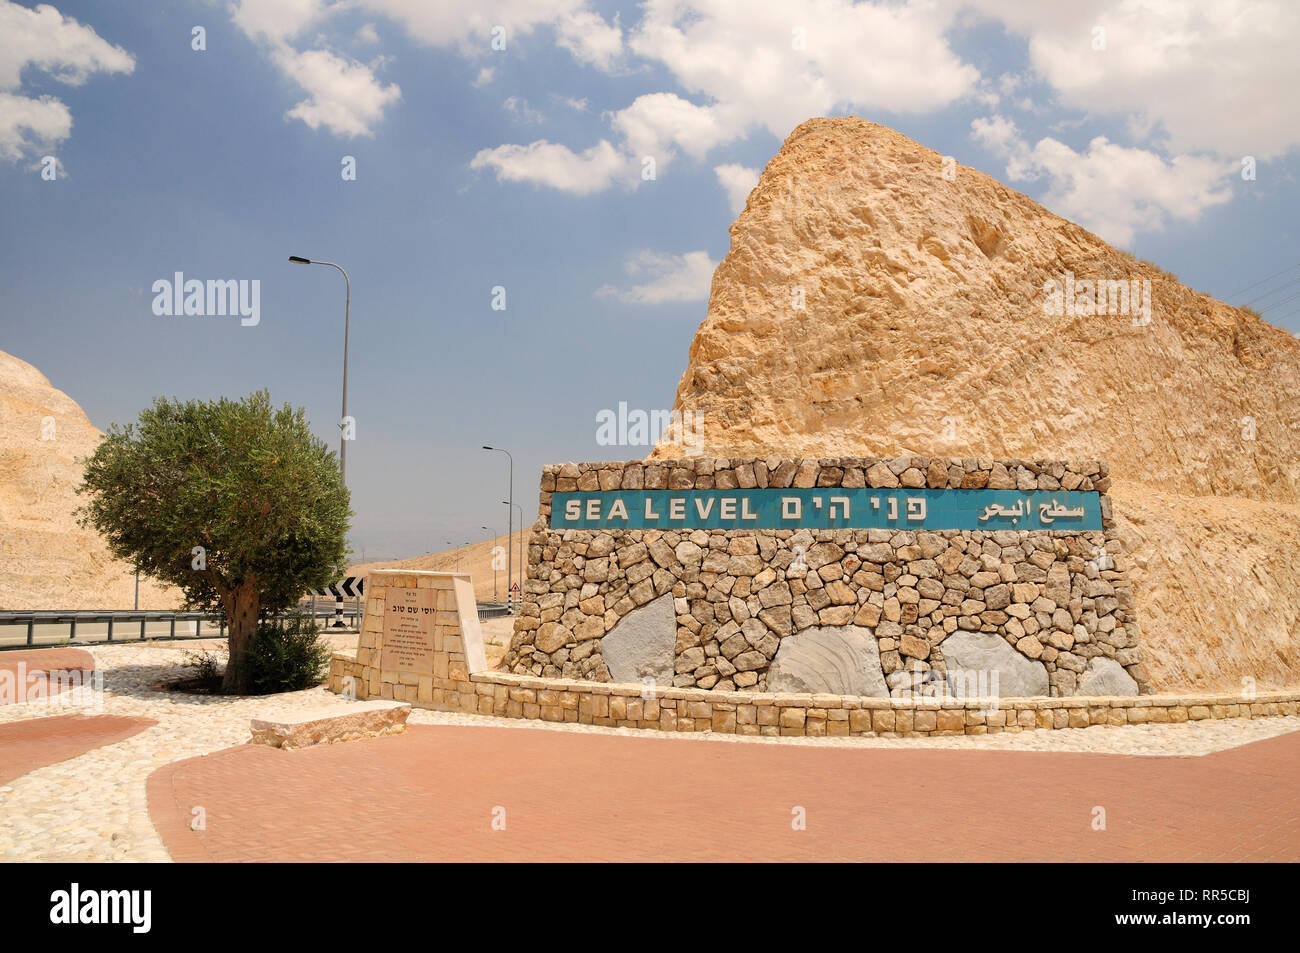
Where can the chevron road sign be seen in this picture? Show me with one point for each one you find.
(351, 587)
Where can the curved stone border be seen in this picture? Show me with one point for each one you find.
(764, 713)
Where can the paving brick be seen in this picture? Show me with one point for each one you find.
(427, 795)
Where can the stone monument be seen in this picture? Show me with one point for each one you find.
(420, 639)
(857, 576)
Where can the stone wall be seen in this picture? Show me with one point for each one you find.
(874, 612)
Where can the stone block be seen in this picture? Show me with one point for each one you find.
(329, 724)
(838, 660)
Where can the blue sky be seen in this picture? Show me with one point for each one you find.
(521, 168)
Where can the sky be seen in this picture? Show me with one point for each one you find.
(543, 188)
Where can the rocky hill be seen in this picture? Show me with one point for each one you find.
(47, 561)
(876, 301)
(476, 559)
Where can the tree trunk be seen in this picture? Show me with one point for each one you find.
(241, 606)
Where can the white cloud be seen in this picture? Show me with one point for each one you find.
(1212, 76)
(590, 39)
(657, 122)
(775, 65)
(554, 165)
(1000, 136)
(520, 111)
(573, 102)
(44, 39)
(468, 24)
(684, 277)
(343, 95)
(1114, 190)
(275, 20)
(748, 66)
(29, 126)
(738, 181)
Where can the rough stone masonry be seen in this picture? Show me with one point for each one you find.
(875, 612)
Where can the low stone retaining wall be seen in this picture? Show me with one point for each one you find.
(771, 714)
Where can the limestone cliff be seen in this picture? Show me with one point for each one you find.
(47, 561)
(876, 302)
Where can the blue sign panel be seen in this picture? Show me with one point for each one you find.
(829, 508)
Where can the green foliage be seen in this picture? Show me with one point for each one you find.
(207, 665)
(287, 655)
(249, 484)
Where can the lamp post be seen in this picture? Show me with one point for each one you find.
(343, 423)
(494, 565)
(510, 513)
(513, 507)
(347, 320)
(455, 555)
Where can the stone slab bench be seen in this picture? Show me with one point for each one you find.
(329, 724)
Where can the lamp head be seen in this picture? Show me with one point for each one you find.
(299, 261)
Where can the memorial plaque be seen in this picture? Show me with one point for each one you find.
(408, 630)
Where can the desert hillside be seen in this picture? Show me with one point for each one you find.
(871, 305)
(47, 561)
(476, 559)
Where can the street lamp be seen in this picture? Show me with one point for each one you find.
(494, 565)
(456, 556)
(510, 513)
(343, 424)
(513, 507)
(347, 320)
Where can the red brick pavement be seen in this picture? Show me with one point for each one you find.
(28, 745)
(429, 794)
(47, 660)
(23, 674)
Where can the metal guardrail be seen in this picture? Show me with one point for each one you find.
(118, 618)
(113, 617)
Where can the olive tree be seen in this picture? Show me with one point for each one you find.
(235, 503)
